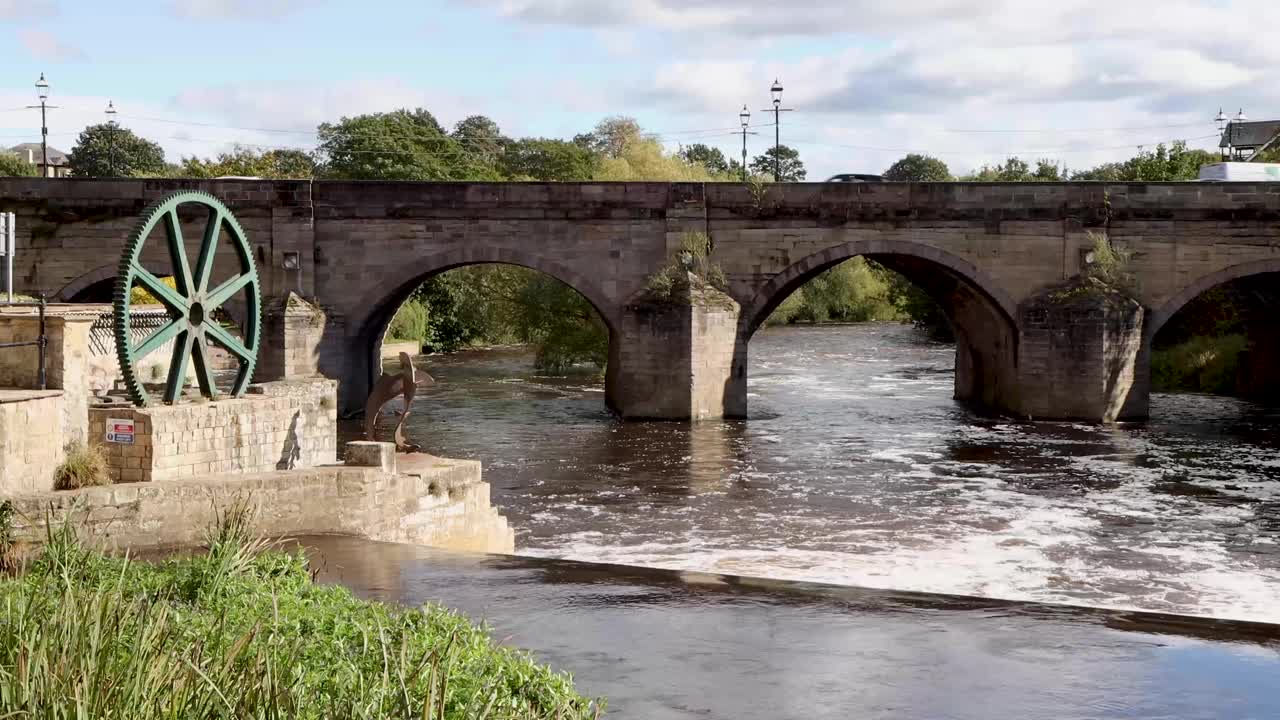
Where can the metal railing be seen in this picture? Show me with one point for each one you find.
(41, 342)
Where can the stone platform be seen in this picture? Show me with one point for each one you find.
(431, 501)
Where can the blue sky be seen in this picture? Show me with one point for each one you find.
(971, 81)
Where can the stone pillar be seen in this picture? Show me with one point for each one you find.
(1082, 356)
(66, 362)
(292, 332)
(679, 358)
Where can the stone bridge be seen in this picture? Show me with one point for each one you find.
(991, 254)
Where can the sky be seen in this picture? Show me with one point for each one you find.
(1078, 82)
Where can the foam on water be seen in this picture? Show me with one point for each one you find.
(858, 468)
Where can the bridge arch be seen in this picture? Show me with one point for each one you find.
(981, 314)
(370, 316)
(1160, 316)
(103, 276)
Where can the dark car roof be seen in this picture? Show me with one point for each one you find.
(854, 177)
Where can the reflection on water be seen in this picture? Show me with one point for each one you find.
(858, 468)
(666, 645)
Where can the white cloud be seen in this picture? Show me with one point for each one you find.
(237, 9)
(46, 46)
(26, 9)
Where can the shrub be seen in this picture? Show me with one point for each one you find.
(83, 466)
(1201, 364)
(410, 324)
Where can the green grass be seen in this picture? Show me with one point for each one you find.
(241, 632)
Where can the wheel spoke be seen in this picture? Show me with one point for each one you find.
(162, 292)
(208, 248)
(178, 367)
(178, 252)
(219, 335)
(203, 375)
(160, 337)
(223, 292)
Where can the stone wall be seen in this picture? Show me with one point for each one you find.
(31, 439)
(277, 425)
(443, 503)
(292, 332)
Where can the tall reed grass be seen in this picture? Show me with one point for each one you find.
(243, 632)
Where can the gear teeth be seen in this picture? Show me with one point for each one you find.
(121, 304)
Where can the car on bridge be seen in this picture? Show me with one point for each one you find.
(855, 177)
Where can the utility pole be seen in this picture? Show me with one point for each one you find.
(776, 91)
(745, 117)
(42, 90)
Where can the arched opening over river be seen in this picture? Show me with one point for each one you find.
(1221, 335)
(978, 314)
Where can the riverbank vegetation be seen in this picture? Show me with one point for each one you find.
(241, 632)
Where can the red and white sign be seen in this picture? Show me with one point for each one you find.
(120, 430)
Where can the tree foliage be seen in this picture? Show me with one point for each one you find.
(282, 164)
(107, 150)
(481, 139)
(791, 168)
(13, 166)
(1176, 162)
(708, 157)
(611, 137)
(398, 145)
(918, 168)
(547, 160)
(1017, 170)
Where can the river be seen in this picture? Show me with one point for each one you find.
(856, 467)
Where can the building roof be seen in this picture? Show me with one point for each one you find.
(1249, 134)
(56, 156)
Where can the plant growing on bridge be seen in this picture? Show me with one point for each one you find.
(1106, 274)
(690, 268)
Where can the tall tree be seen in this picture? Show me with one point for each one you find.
(708, 157)
(548, 160)
(108, 150)
(247, 162)
(397, 145)
(791, 169)
(611, 136)
(13, 166)
(481, 138)
(918, 168)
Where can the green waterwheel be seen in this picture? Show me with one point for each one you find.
(192, 303)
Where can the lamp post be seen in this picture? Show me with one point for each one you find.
(776, 91)
(745, 117)
(1221, 121)
(42, 90)
(111, 138)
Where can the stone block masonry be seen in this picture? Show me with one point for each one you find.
(31, 439)
(276, 426)
(438, 502)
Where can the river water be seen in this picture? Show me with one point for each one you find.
(857, 468)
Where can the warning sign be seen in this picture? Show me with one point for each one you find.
(120, 431)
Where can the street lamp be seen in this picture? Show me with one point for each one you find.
(1240, 116)
(745, 117)
(1221, 121)
(111, 138)
(42, 90)
(776, 91)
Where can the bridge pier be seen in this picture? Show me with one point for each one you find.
(1082, 355)
(681, 358)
